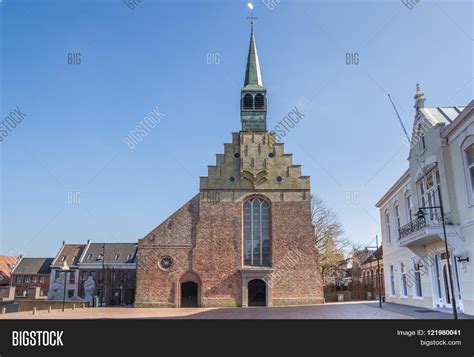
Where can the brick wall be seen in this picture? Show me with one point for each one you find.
(20, 287)
(217, 257)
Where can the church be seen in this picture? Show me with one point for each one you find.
(247, 238)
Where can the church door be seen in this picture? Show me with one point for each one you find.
(189, 294)
(257, 293)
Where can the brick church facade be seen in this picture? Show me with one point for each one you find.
(246, 239)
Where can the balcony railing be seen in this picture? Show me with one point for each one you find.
(411, 227)
(432, 218)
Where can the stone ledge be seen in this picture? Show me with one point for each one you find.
(152, 304)
(220, 302)
(297, 301)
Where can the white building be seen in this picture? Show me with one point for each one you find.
(441, 164)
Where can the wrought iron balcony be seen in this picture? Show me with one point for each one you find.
(432, 218)
(427, 229)
(411, 227)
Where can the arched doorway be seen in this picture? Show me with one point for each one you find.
(189, 294)
(257, 289)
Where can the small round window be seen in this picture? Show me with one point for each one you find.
(166, 263)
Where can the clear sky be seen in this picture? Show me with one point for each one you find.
(156, 56)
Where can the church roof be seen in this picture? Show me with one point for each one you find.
(253, 75)
(178, 229)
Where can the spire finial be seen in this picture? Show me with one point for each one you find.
(251, 17)
(419, 97)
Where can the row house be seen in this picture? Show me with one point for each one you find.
(440, 173)
(31, 273)
(112, 267)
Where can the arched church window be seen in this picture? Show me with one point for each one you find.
(256, 232)
(248, 101)
(259, 101)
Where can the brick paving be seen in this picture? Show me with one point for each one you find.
(347, 310)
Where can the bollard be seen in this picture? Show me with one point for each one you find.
(83, 305)
(74, 306)
(49, 308)
(4, 310)
(34, 311)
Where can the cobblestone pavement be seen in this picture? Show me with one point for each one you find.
(348, 310)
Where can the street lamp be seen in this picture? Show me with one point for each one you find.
(379, 280)
(65, 269)
(421, 215)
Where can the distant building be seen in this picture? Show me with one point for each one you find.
(112, 266)
(30, 273)
(7, 263)
(370, 272)
(69, 254)
(441, 163)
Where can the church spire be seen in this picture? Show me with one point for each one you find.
(253, 106)
(253, 75)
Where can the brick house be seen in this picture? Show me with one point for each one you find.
(370, 272)
(113, 268)
(29, 273)
(247, 237)
(111, 265)
(7, 263)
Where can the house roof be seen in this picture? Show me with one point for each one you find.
(459, 119)
(33, 266)
(7, 263)
(69, 253)
(441, 115)
(373, 255)
(114, 253)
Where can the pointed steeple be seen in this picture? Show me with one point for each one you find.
(253, 99)
(253, 75)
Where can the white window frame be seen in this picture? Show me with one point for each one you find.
(403, 287)
(387, 226)
(467, 143)
(430, 196)
(414, 262)
(398, 223)
(421, 138)
(391, 283)
(409, 206)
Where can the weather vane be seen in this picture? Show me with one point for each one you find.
(251, 17)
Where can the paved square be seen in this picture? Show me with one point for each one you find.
(347, 310)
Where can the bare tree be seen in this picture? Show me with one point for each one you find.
(329, 240)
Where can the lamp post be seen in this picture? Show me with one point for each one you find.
(65, 269)
(102, 292)
(421, 215)
(379, 284)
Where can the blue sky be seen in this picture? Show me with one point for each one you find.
(155, 55)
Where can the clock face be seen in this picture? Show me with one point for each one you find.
(166, 263)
